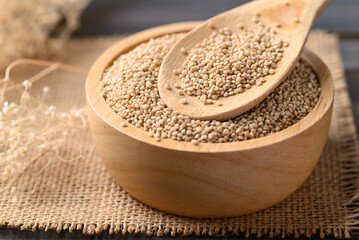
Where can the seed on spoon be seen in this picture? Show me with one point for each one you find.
(240, 26)
(183, 50)
(184, 101)
(225, 63)
(210, 24)
(194, 141)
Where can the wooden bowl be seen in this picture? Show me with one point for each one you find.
(211, 179)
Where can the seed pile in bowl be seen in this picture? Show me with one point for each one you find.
(227, 63)
(129, 87)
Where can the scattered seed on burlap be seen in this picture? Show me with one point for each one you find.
(227, 63)
(129, 87)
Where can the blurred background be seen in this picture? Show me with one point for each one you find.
(104, 17)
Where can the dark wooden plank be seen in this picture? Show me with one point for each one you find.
(10, 234)
(349, 49)
(353, 87)
(341, 16)
(105, 17)
(350, 54)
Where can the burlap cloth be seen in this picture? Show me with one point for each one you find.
(81, 195)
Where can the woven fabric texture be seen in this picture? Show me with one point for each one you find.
(81, 195)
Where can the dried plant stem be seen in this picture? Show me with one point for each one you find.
(44, 64)
(51, 66)
(30, 128)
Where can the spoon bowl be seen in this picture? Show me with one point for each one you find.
(291, 20)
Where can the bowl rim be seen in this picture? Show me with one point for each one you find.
(97, 103)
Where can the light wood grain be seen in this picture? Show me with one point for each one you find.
(208, 180)
(271, 12)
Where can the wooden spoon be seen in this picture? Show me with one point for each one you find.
(292, 19)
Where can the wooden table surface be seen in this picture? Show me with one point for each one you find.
(110, 17)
